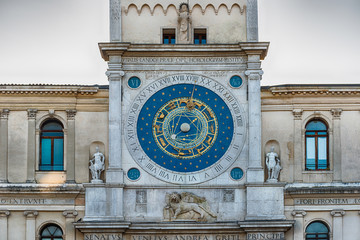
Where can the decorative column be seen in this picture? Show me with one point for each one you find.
(115, 21)
(252, 21)
(31, 146)
(114, 173)
(30, 224)
(298, 156)
(104, 201)
(255, 171)
(336, 113)
(4, 224)
(69, 227)
(4, 116)
(338, 223)
(70, 149)
(299, 224)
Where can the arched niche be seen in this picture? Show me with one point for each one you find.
(267, 149)
(92, 150)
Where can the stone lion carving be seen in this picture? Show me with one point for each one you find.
(187, 206)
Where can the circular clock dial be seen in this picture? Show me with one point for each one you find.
(185, 131)
(185, 128)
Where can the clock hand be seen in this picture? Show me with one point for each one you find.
(190, 104)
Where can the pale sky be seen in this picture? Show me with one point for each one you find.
(55, 41)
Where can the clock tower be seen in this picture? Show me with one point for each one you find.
(184, 126)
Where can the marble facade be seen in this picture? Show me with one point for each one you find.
(136, 198)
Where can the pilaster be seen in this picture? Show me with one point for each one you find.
(70, 216)
(114, 173)
(298, 159)
(252, 21)
(255, 171)
(115, 21)
(4, 116)
(4, 214)
(336, 113)
(70, 153)
(299, 224)
(30, 224)
(337, 223)
(31, 147)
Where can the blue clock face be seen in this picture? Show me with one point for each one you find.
(185, 129)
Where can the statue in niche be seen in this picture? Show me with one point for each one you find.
(97, 165)
(187, 206)
(184, 24)
(273, 165)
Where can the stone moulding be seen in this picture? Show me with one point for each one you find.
(322, 188)
(47, 90)
(313, 91)
(182, 50)
(165, 9)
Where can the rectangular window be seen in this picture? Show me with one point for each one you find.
(169, 36)
(200, 36)
(310, 153)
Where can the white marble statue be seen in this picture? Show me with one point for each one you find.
(184, 23)
(273, 165)
(97, 165)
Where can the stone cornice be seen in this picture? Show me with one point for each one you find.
(33, 188)
(175, 50)
(313, 90)
(47, 90)
(322, 188)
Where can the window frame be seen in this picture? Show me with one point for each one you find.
(166, 32)
(317, 233)
(316, 137)
(41, 237)
(52, 165)
(200, 32)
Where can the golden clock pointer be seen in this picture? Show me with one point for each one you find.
(190, 104)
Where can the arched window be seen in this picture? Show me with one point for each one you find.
(317, 231)
(51, 232)
(317, 146)
(52, 146)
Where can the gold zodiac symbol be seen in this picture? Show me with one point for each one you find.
(199, 150)
(162, 142)
(157, 129)
(209, 140)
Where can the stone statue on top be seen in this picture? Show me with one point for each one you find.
(184, 24)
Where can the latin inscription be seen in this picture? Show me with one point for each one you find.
(34, 201)
(187, 237)
(102, 236)
(327, 201)
(182, 60)
(265, 236)
(23, 201)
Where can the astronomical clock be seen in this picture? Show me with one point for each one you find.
(185, 128)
